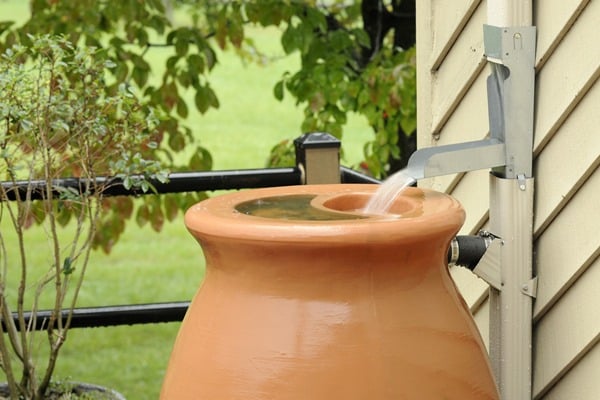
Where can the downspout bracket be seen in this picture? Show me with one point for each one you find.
(521, 180)
(529, 288)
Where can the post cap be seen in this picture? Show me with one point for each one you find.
(316, 140)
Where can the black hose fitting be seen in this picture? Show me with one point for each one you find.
(466, 251)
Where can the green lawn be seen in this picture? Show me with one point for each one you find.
(153, 267)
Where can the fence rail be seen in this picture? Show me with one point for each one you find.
(94, 317)
(178, 182)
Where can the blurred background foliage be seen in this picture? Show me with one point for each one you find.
(356, 57)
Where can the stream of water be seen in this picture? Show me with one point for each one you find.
(384, 197)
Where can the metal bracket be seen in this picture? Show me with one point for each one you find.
(490, 264)
(529, 288)
(521, 181)
(510, 91)
(511, 54)
(455, 158)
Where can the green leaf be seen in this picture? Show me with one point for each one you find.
(291, 39)
(201, 100)
(67, 267)
(157, 219)
(171, 37)
(278, 91)
(171, 207)
(213, 100)
(236, 32)
(64, 216)
(408, 125)
(176, 141)
(184, 78)
(38, 212)
(211, 57)
(142, 37)
(139, 61)
(172, 62)
(140, 76)
(181, 46)
(127, 183)
(157, 23)
(182, 108)
(4, 25)
(195, 63)
(201, 160)
(170, 95)
(120, 71)
(123, 206)
(143, 215)
(339, 40)
(362, 37)
(117, 42)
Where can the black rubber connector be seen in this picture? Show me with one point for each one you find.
(466, 251)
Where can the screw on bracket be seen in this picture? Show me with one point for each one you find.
(529, 288)
(521, 181)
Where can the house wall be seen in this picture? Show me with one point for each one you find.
(452, 108)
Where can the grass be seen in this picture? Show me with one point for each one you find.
(146, 266)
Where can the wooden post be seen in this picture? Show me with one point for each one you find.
(318, 157)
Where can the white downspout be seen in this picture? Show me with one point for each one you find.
(509, 12)
(511, 219)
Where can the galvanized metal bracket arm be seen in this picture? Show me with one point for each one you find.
(455, 158)
(510, 90)
(511, 85)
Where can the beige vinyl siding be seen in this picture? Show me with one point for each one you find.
(554, 18)
(567, 333)
(582, 382)
(576, 144)
(456, 73)
(571, 239)
(567, 74)
(452, 108)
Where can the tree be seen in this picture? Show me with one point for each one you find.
(351, 63)
(355, 57)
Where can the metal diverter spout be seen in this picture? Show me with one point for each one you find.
(454, 158)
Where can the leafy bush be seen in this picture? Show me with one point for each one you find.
(56, 121)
